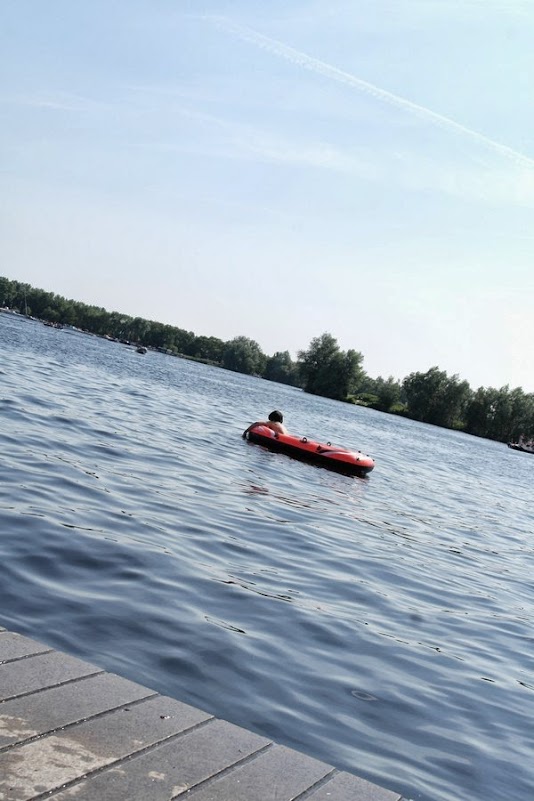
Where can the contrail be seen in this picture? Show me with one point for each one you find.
(328, 71)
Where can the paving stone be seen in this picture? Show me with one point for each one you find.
(345, 787)
(170, 769)
(39, 713)
(52, 761)
(40, 671)
(277, 773)
(15, 646)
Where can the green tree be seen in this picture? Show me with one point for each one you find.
(7, 292)
(502, 414)
(51, 315)
(380, 393)
(183, 339)
(208, 348)
(327, 370)
(480, 412)
(243, 355)
(281, 367)
(434, 397)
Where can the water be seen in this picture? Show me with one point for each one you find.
(384, 625)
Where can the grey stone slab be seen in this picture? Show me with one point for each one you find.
(171, 768)
(277, 773)
(346, 787)
(42, 712)
(40, 671)
(15, 646)
(54, 760)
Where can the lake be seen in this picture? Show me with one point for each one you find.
(384, 625)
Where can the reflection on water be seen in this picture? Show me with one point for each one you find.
(383, 625)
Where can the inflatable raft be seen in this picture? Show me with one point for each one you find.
(331, 456)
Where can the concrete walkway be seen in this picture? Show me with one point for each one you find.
(69, 730)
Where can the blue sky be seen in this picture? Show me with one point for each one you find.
(280, 169)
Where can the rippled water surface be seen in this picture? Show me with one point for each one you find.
(384, 625)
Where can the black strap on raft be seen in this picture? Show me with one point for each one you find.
(304, 439)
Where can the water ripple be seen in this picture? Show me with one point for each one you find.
(384, 626)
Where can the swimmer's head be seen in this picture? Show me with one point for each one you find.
(276, 417)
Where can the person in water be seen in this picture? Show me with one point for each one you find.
(275, 423)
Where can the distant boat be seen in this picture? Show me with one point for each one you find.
(141, 349)
(516, 446)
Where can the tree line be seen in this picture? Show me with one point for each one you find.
(322, 369)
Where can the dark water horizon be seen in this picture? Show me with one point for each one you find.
(383, 625)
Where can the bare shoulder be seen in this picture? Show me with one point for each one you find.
(278, 428)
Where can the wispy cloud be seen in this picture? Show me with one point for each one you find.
(461, 9)
(520, 7)
(491, 185)
(378, 15)
(404, 12)
(61, 101)
(300, 59)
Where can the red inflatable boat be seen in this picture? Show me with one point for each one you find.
(331, 456)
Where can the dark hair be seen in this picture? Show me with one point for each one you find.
(276, 417)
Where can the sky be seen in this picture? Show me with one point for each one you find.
(281, 169)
